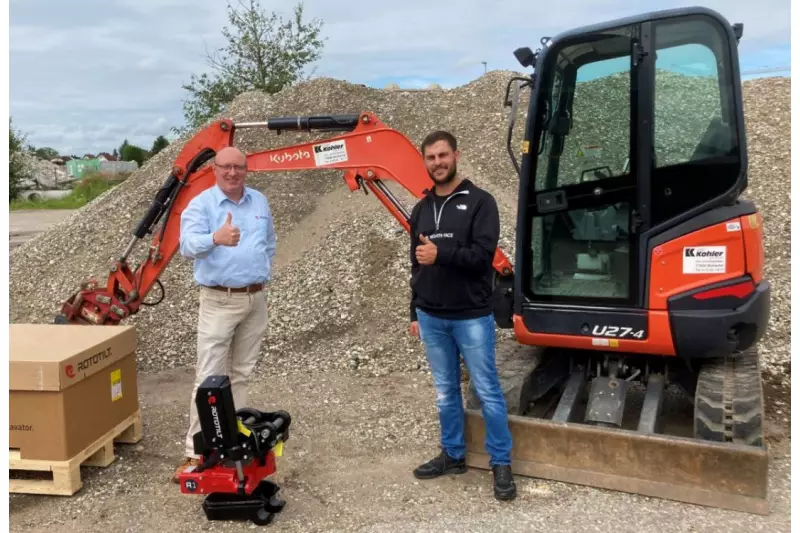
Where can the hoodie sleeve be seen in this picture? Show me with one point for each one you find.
(479, 254)
(414, 264)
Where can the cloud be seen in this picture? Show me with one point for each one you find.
(86, 74)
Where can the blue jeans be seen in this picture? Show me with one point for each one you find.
(475, 340)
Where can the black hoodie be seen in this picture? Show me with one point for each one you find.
(465, 227)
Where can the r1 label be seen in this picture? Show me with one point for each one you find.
(704, 260)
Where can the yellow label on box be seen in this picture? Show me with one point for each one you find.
(116, 385)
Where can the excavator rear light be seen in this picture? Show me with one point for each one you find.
(739, 290)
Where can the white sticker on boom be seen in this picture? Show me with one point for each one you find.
(330, 152)
(734, 226)
(704, 259)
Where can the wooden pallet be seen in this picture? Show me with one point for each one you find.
(66, 475)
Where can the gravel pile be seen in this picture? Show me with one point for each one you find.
(339, 298)
(767, 106)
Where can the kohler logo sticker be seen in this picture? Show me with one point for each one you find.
(320, 148)
(704, 260)
(694, 252)
(330, 152)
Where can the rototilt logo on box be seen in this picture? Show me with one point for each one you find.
(215, 419)
(212, 401)
(85, 364)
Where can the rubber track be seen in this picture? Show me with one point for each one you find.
(729, 400)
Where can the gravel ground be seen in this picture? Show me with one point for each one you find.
(347, 467)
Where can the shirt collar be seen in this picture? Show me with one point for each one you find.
(220, 197)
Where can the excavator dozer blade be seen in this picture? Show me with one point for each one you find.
(722, 475)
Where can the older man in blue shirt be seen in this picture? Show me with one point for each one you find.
(228, 231)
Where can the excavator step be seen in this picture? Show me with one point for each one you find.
(723, 475)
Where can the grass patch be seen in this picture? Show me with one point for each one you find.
(84, 192)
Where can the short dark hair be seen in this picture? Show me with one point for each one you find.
(437, 136)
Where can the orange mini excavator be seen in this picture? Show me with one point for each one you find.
(638, 266)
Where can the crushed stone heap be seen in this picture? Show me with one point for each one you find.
(339, 297)
(43, 174)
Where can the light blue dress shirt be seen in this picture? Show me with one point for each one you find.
(230, 266)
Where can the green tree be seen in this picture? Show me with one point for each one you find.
(16, 168)
(264, 53)
(131, 152)
(46, 153)
(159, 144)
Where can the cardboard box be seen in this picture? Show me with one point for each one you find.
(69, 385)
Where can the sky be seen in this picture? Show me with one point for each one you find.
(86, 74)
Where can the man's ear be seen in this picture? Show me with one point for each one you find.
(458, 155)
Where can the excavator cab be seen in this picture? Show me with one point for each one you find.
(638, 267)
(634, 128)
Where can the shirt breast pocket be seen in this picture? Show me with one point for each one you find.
(259, 225)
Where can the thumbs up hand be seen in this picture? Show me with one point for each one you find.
(227, 234)
(425, 252)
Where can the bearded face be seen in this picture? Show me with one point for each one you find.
(441, 162)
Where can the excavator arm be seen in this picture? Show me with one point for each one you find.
(367, 152)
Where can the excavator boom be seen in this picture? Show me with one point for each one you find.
(368, 152)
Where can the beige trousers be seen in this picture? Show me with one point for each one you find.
(230, 328)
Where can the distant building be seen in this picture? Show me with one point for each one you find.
(105, 163)
(79, 167)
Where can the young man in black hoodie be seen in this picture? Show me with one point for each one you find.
(454, 233)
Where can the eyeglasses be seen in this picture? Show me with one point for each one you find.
(226, 168)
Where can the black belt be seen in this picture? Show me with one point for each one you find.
(255, 287)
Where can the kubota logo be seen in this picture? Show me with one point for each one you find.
(297, 155)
